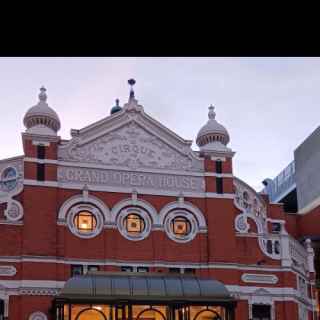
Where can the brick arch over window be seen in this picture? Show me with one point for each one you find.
(86, 199)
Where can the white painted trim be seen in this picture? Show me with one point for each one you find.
(40, 143)
(37, 183)
(17, 284)
(155, 263)
(7, 271)
(215, 158)
(178, 205)
(13, 223)
(36, 160)
(79, 186)
(259, 278)
(11, 159)
(109, 167)
(129, 202)
(119, 168)
(243, 292)
(8, 213)
(276, 293)
(218, 175)
(89, 199)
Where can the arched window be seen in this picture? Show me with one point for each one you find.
(269, 246)
(85, 221)
(134, 224)
(207, 314)
(151, 313)
(277, 247)
(92, 313)
(180, 226)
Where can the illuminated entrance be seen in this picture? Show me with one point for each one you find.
(131, 296)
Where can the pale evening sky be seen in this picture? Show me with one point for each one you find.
(269, 105)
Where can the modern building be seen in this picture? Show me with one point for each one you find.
(126, 221)
(297, 187)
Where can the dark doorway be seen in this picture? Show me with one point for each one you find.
(261, 312)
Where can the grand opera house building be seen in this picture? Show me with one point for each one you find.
(125, 221)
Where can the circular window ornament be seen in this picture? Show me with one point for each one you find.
(14, 211)
(38, 315)
(134, 223)
(180, 226)
(9, 179)
(85, 221)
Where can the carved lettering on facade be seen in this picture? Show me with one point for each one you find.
(130, 179)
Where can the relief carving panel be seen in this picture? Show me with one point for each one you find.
(130, 146)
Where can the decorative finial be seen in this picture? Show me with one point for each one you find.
(42, 94)
(117, 102)
(131, 83)
(211, 113)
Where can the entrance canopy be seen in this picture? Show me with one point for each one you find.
(144, 287)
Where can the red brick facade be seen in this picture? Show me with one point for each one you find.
(41, 249)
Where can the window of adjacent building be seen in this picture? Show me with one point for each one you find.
(134, 224)
(41, 152)
(76, 270)
(218, 166)
(261, 312)
(174, 270)
(219, 185)
(85, 221)
(180, 226)
(40, 171)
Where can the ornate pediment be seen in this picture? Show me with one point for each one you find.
(131, 141)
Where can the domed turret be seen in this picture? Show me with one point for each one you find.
(41, 119)
(213, 136)
(116, 108)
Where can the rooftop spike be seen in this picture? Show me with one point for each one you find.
(42, 94)
(211, 114)
(131, 83)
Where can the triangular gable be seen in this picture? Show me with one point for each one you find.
(131, 139)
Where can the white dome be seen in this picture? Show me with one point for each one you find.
(40, 116)
(212, 133)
